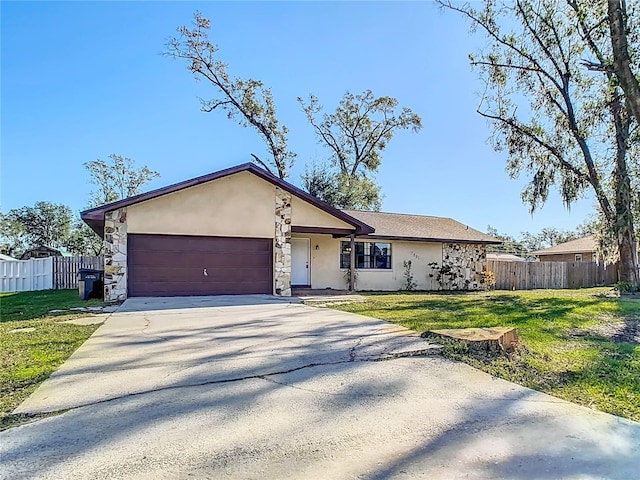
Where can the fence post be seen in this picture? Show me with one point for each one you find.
(30, 273)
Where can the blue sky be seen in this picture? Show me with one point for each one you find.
(81, 80)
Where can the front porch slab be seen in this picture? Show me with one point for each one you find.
(326, 297)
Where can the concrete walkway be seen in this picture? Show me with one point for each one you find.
(255, 387)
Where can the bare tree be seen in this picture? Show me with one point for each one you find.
(248, 100)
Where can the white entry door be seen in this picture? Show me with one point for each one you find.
(300, 248)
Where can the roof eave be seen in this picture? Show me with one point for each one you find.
(430, 239)
(94, 217)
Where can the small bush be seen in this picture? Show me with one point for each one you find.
(626, 287)
(488, 280)
(409, 283)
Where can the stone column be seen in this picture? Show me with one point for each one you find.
(115, 255)
(282, 243)
(466, 263)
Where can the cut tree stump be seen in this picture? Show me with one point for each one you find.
(491, 340)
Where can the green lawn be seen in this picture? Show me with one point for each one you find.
(580, 345)
(27, 358)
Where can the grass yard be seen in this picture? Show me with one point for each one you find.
(580, 345)
(28, 357)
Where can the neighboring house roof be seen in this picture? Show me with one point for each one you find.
(95, 216)
(6, 257)
(580, 245)
(400, 226)
(505, 257)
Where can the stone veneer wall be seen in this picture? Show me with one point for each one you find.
(115, 255)
(282, 244)
(466, 262)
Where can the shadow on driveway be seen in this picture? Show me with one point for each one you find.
(281, 390)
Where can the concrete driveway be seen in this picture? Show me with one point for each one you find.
(257, 387)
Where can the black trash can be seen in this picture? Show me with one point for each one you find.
(90, 283)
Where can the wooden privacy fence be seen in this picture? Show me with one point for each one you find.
(65, 269)
(534, 275)
(26, 275)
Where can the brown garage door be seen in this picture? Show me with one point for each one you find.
(174, 265)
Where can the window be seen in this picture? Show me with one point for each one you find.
(578, 257)
(368, 255)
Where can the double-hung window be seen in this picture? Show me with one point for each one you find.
(369, 255)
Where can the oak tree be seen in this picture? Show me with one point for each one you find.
(561, 123)
(117, 178)
(43, 224)
(356, 134)
(13, 235)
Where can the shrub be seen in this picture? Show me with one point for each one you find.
(488, 280)
(409, 283)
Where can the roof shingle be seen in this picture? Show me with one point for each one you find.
(419, 227)
(584, 244)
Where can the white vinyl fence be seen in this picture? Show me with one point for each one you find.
(26, 275)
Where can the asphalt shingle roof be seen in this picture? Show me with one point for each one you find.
(585, 244)
(419, 227)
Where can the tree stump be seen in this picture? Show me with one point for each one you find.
(490, 340)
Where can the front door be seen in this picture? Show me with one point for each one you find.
(300, 262)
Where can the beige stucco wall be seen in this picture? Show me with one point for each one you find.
(240, 205)
(420, 254)
(325, 263)
(305, 214)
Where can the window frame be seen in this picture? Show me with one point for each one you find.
(370, 258)
(577, 257)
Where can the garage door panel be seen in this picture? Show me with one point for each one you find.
(190, 288)
(169, 274)
(163, 289)
(201, 260)
(181, 243)
(175, 265)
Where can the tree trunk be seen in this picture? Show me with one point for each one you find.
(623, 223)
(628, 269)
(621, 60)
